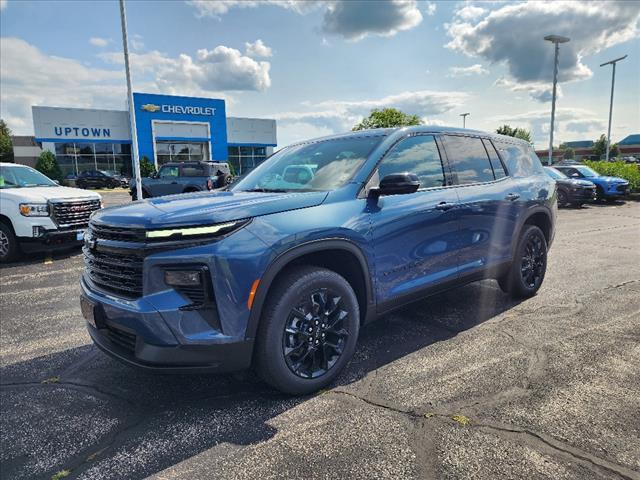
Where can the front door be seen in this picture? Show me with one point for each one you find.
(414, 235)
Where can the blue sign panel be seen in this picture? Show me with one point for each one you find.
(169, 108)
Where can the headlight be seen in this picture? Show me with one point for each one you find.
(219, 229)
(34, 209)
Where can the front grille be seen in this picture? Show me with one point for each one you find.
(622, 187)
(121, 338)
(74, 213)
(197, 295)
(116, 273)
(117, 233)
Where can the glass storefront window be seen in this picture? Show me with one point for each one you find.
(101, 148)
(243, 159)
(75, 158)
(167, 151)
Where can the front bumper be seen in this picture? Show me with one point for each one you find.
(52, 240)
(138, 334)
(582, 195)
(617, 191)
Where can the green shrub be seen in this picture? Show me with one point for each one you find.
(628, 171)
(48, 165)
(146, 167)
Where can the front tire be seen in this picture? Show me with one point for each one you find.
(529, 265)
(563, 199)
(8, 244)
(308, 330)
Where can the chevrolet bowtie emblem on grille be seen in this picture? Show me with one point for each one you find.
(150, 107)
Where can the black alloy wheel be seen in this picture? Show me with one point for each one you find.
(533, 261)
(308, 330)
(315, 334)
(562, 198)
(529, 265)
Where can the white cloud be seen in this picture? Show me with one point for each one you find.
(357, 19)
(430, 8)
(136, 42)
(334, 116)
(217, 8)
(476, 69)
(99, 42)
(592, 27)
(540, 91)
(470, 12)
(257, 49)
(67, 83)
(352, 20)
(3, 4)
(222, 68)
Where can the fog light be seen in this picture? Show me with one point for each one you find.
(183, 278)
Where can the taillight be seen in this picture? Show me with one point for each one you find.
(210, 184)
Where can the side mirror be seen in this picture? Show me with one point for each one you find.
(397, 184)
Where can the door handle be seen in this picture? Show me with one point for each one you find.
(512, 196)
(445, 206)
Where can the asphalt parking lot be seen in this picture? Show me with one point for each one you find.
(468, 384)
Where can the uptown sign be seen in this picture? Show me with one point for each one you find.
(179, 109)
(82, 132)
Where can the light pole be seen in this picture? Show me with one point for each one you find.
(464, 119)
(613, 82)
(556, 40)
(132, 116)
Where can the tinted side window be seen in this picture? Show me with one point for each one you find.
(193, 171)
(166, 172)
(520, 159)
(468, 159)
(498, 168)
(418, 154)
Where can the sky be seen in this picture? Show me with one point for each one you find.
(318, 67)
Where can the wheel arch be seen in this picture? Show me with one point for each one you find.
(542, 219)
(339, 255)
(7, 221)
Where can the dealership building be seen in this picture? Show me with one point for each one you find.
(168, 129)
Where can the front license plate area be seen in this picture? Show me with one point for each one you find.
(88, 309)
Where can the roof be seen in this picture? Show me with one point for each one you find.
(414, 129)
(579, 144)
(23, 141)
(633, 139)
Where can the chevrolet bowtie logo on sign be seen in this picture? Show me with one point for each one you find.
(149, 107)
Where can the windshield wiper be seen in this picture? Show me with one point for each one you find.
(266, 190)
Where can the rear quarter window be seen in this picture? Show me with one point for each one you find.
(521, 160)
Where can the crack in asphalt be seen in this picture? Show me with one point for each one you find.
(531, 438)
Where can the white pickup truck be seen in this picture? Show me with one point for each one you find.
(37, 214)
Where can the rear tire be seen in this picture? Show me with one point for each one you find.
(308, 330)
(529, 265)
(8, 244)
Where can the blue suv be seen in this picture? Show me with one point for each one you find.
(282, 269)
(607, 188)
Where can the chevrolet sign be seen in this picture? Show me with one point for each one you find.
(179, 109)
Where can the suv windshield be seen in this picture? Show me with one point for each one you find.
(22, 177)
(586, 171)
(323, 165)
(555, 174)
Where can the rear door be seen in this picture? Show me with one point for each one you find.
(414, 235)
(193, 175)
(488, 203)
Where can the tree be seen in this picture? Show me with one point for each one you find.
(569, 153)
(614, 151)
(387, 117)
(146, 167)
(517, 132)
(6, 146)
(600, 146)
(48, 165)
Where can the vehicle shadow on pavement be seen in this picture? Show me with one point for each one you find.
(81, 411)
(40, 257)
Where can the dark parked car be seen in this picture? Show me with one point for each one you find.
(607, 188)
(97, 179)
(571, 191)
(184, 177)
(281, 270)
(124, 180)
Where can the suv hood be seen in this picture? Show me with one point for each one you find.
(44, 194)
(204, 208)
(581, 183)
